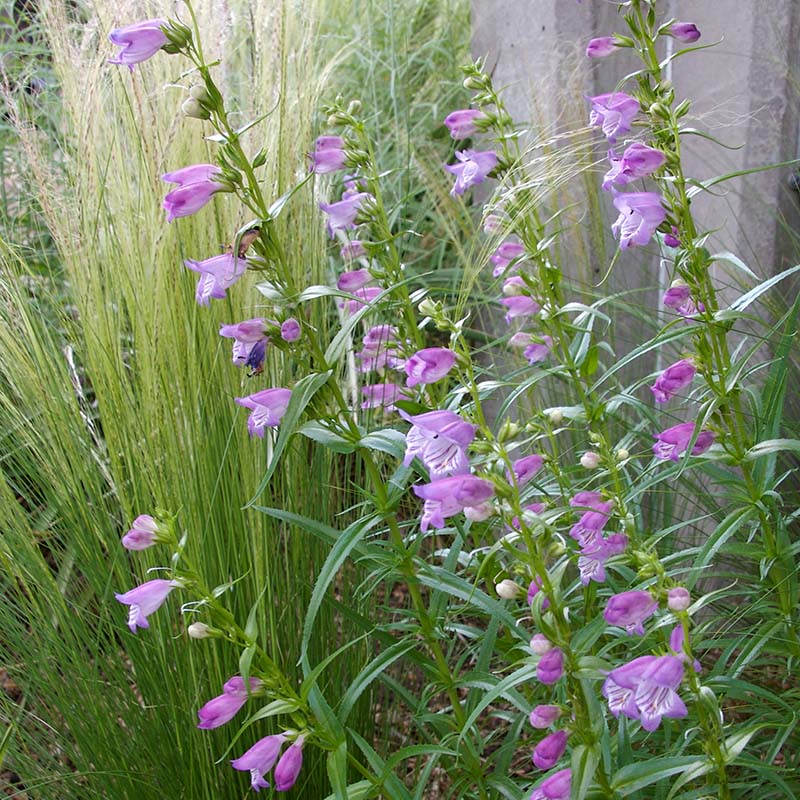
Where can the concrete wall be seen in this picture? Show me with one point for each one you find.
(745, 92)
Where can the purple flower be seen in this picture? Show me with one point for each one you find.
(525, 468)
(593, 557)
(364, 297)
(246, 335)
(588, 529)
(354, 280)
(461, 123)
(289, 766)
(586, 499)
(143, 533)
(520, 306)
(145, 600)
(547, 753)
(673, 442)
(217, 275)
(504, 255)
(472, 169)
(260, 759)
(225, 707)
(686, 32)
(678, 599)
(446, 497)
(674, 378)
(429, 365)
(613, 112)
(629, 610)
(557, 787)
(534, 588)
(382, 395)
(676, 644)
(679, 299)
(551, 666)
(536, 352)
(544, 716)
(440, 440)
(290, 330)
(514, 286)
(638, 161)
(267, 406)
(601, 47)
(376, 352)
(196, 185)
(644, 689)
(640, 213)
(328, 155)
(342, 215)
(353, 249)
(138, 41)
(672, 239)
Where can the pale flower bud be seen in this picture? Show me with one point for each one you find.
(622, 454)
(556, 416)
(199, 630)
(590, 460)
(193, 108)
(507, 589)
(540, 644)
(428, 307)
(678, 599)
(479, 513)
(198, 92)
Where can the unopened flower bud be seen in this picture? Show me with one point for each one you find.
(473, 82)
(622, 454)
(429, 307)
(508, 431)
(556, 416)
(199, 630)
(540, 644)
(199, 93)
(590, 460)
(193, 108)
(479, 513)
(354, 107)
(678, 599)
(507, 589)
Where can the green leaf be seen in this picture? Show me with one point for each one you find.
(317, 432)
(337, 771)
(302, 393)
(370, 672)
(772, 446)
(585, 759)
(633, 777)
(245, 660)
(322, 531)
(344, 545)
(387, 441)
(746, 299)
(272, 710)
(363, 790)
(395, 788)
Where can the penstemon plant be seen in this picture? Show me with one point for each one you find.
(540, 593)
